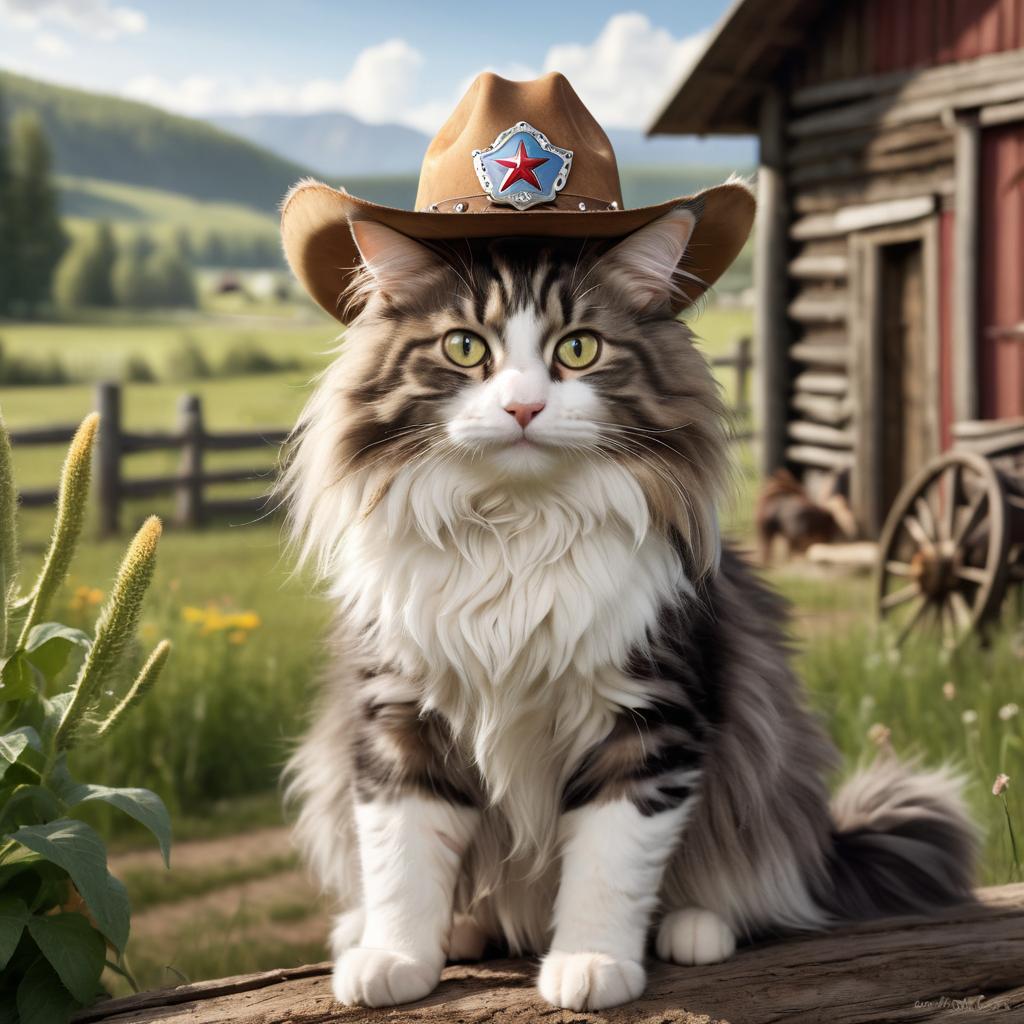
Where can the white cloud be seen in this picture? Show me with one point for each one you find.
(625, 74)
(100, 19)
(51, 45)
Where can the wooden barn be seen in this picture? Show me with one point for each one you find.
(890, 241)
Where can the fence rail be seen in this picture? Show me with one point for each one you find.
(194, 441)
(188, 484)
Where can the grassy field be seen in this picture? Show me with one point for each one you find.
(247, 652)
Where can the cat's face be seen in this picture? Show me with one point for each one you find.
(515, 357)
(513, 361)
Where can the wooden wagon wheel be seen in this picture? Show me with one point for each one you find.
(943, 556)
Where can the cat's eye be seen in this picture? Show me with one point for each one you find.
(578, 351)
(464, 348)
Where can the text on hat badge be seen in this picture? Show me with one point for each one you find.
(521, 167)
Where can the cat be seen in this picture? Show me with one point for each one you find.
(559, 717)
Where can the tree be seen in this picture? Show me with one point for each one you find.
(40, 239)
(169, 281)
(7, 242)
(84, 276)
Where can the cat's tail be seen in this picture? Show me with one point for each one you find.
(903, 843)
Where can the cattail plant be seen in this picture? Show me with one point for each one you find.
(63, 918)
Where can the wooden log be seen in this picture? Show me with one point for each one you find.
(809, 267)
(225, 441)
(107, 458)
(858, 218)
(189, 502)
(818, 354)
(1001, 113)
(901, 969)
(145, 486)
(817, 434)
(917, 84)
(866, 166)
(867, 142)
(771, 256)
(822, 458)
(815, 309)
(815, 383)
(831, 197)
(37, 497)
(824, 409)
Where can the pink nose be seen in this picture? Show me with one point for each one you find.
(524, 411)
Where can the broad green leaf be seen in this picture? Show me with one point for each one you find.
(75, 949)
(13, 915)
(53, 712)
(15, 744)
(17, 679)
(42, 999)
(8, 1008)
(49, 645)
(141, 804)
(29, 805)
(75, 847)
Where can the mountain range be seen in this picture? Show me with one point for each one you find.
(337, 144)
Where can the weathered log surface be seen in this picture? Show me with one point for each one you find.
(905, 969)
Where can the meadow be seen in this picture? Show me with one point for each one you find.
(246, 656)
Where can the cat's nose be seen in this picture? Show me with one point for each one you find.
(524, 411)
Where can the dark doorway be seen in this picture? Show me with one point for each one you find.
(902, 362)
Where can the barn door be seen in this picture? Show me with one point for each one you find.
(894, 345)
(1001, 302)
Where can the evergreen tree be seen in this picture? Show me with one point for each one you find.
(7, 242)
(169, 281)
(182, 242)
(84, 276)
(40, 237)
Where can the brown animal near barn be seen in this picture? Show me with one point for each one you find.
(890, 295)
(786, 511)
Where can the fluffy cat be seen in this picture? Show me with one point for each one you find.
(559, 717)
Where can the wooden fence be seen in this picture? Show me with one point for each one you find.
(194, 441)
(188, 484)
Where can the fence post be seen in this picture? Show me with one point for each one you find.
(108, 456)
(744, 363)
(189, 491)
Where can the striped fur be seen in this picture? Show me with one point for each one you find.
(540, 643)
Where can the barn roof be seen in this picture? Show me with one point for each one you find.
(721, 91)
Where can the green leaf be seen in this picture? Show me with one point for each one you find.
(8, 1008)
(53, 712)
(141, 804)
(13, 915)
(76, 951)
(42, 999)
(75, 847)
(17, 679)
(29, 805)
(49, 645)
(13, 746)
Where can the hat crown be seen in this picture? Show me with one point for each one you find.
(490, 106)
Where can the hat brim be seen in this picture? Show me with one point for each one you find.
(322, 254)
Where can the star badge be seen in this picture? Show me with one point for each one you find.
(522, 168)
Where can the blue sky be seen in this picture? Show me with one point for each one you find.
(400, 61)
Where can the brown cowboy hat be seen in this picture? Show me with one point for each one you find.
(515, 158)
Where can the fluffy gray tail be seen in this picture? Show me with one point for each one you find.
(903, 843)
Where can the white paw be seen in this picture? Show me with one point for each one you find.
(589, 981)
(467, 940)
(346, 931)
(380, 977)
(695, 936)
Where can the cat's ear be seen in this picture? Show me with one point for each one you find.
(396, 261)
(645, 264)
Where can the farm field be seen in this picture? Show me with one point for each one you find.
(247, 653)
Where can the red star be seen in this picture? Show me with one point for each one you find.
(521, 168)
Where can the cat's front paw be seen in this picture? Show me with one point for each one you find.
(381, 977)
(694, 936)
(589, 981)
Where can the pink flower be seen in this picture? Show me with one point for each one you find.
(948, 691)
(1000, 785)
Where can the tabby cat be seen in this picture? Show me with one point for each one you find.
(559, 717)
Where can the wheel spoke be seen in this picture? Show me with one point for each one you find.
(898, 597)
(948, 626)
(926, 517)
(948, 520)
(917, 531)
(972, 574)
(912, 620)
(961, 611)
(966, 528)
(895, 568)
